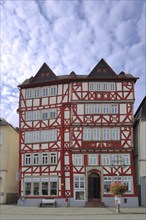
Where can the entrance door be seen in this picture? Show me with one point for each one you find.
(93, 186)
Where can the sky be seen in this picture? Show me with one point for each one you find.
(69, 36)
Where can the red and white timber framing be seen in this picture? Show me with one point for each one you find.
(72, 96)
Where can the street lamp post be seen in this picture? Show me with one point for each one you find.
(118, 161)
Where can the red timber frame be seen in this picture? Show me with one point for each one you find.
(70, 122)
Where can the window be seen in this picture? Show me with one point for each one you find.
(128, 182)
(98, 86)
(45, 91)
(44, 135)
(53, 186)
(27, 188)
(87, 134)
(53, 90)
(78, 159)
(106, 109)
(52, 113)
(28, 137)
(53, 158)
(36, 92)
(35, 159)
(44, 187)
(45, 114)
(96, 134)
(105, 86)
(36, 115)
(117, 159)
(28, 116)
(106, 134)
(92, 159)
(106, 159)
(107, 184)
(88, 109)
(36, 136)
(45, 159)
(53, 135)
(27, 159)
(126, 159)
(91, 86)
(36, 188)
(29, 93)
(114, 109)
(117, 178)
(79, 185)
(97, 108)
(112, 86)
(115, 134)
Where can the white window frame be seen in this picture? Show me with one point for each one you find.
(36, 115)
(52, 135)
(44, 135)
(36, 136)
(96, 108)
(91, 86)
(106, 109)
(79, 186)
(78, 159)
(106, 159)
(28, 137)
(27, 159)
(45, 158)
(45, 91)
(53, 90)
(36, 92)
(114, 109)
(53, 158)
(28, 115)
(107, 180)
(128, 180)
(98, 86)
(36, 159)
(87, 134)
(29, 93)
(115, 132)
(106, 133)
(105, 86)
(126, 159)
(92, 159)
(88, 108)
(96, 133)
(52, 113)
(112, 86)
(45, 114)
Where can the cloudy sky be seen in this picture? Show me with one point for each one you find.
(69, 35)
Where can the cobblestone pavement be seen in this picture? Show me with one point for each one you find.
(13, 212)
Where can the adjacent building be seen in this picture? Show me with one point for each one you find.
(140, 150)
(9, 152)
(76, 136)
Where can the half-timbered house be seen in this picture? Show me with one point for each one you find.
(76, 136)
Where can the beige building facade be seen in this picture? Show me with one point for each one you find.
(140, 150)
(9, 141)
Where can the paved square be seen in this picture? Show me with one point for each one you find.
(13, 212)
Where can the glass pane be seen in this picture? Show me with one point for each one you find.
(36, 188)
(53, 188)
(27, 188)
(79, 195)
(44, 188)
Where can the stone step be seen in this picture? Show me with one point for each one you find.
(95, 204)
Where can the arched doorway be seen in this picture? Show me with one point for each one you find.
(93, 186)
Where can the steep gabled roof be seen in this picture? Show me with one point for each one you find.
(102, 70)
(44, 74)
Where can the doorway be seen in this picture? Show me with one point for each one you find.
(94, 186)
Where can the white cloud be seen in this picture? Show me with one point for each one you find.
(69, 35)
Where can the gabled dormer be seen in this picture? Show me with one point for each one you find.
(102, 70)
(43, 75)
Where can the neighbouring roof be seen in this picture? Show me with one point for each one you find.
(3, 122)
(102, 71)
(141, 111)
